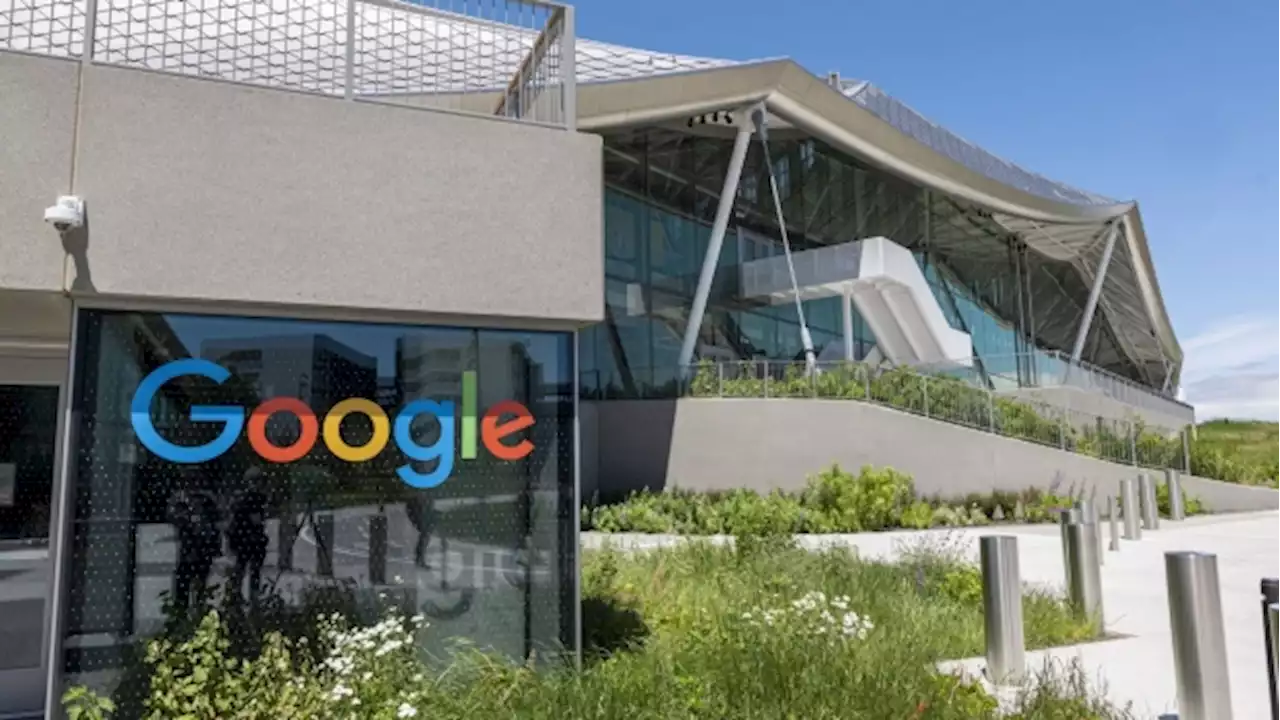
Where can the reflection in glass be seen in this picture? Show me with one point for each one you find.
(28, 429)
(155, 544)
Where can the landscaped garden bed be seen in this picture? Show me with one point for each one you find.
(835, 501)
(762, 629)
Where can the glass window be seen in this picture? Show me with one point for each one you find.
(342, 467)
(28, 431)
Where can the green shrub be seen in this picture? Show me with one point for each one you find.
(874, 499)
(918, 516)
(1191, 505)
(833, 501)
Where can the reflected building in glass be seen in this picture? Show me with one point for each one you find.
(155, 544)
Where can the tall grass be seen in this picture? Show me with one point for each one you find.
(759, 630)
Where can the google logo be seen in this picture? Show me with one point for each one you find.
(493, 427)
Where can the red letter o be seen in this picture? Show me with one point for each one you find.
(257, 430)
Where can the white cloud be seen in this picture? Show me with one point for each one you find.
(1232, 369)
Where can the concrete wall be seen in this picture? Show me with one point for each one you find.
(37, 122)
(1099, 405)
(719, 444)
(203, 190)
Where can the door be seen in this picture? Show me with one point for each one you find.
(28, 440)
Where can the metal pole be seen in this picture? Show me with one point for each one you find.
(90, 30)
(1112, 521)
(1129, 503)
(1094, 294)
(846, 318)
(1065, 518)
(1199, 640)
(1273, 615)
(349, 70)
(569, 68)
(1174, 483)
(1002, 608)
(378, 549)
(323, 527)
(924, 393)
(1089, 514)
(1147, 502)
(1186, 449)
(1270, 588)
(760, 118)
(728, 192)
(1084, 575)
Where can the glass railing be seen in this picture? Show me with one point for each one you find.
(1050, 369)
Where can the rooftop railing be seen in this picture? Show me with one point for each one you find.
(1051, 369)
(510, 58)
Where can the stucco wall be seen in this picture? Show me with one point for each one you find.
(37, 124)
(717, 444)
(203, 190)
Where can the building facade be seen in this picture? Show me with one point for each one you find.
(353, 251)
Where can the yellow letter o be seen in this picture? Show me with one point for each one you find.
(333, 424)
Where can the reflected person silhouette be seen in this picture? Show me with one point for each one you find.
(247, 535)
(420, 508)
(194, 515)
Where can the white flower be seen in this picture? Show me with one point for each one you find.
(406, 711)
(340, 691)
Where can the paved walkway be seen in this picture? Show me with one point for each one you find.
(1137, 667)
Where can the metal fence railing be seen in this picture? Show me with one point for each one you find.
(939, 397)
(512, 58)
(1048, 368)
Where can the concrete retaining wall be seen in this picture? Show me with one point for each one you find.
(719, 444)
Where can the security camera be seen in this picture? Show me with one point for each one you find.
(66, 214)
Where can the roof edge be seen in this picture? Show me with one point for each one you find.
(808, 103)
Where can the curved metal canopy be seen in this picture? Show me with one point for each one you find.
(1056, 220)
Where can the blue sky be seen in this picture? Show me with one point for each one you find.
(1173, 104)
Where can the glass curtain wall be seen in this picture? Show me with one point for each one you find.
(661, 197)
(477, 536)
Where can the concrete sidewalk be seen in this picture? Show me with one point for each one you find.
(1138, 667)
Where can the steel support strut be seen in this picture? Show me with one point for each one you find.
(1095, 293)
(741, 142)
(759, 118)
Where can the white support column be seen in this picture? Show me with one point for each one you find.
(727, 194)
(1095, 292)
(846, 305)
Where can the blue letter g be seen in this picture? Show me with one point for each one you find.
(230, 416)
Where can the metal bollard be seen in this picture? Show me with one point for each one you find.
(1113, 522)
(1173, 481)
(1199, 639)
(323, 526)
(1089, 514)
(286, 535)
(1147, 502)
(1270, 588)
(1002, 608)
(378, 549)
(1084, 575)
(1065, 518)
(1273, 614)
(1129, 501)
